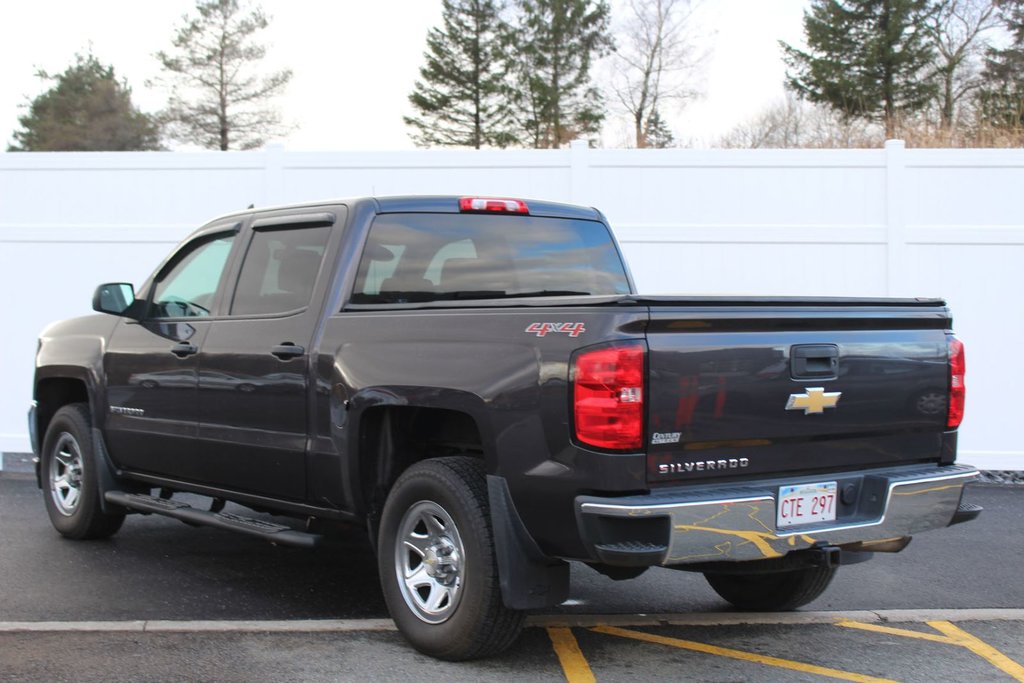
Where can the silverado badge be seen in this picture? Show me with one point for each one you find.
(815, 400)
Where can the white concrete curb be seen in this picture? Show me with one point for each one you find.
(541, 620)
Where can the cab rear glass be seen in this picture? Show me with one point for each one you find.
(435, 257)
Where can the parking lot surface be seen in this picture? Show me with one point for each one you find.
(161, 601)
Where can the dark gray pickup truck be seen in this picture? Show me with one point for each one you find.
(477, 382)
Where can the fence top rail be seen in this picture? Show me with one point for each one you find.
(279, 157)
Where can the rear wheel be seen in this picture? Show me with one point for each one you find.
(437, 563)
(69, 470)
(772, 591)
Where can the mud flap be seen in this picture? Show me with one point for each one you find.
(106, 476)
(529, 579)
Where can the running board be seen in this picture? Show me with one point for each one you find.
(277, 534)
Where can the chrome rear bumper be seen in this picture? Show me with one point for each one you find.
(738, 523)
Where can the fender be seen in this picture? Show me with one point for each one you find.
(48, 398)
(69, 350)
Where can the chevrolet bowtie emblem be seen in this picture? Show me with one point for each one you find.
(814, 401)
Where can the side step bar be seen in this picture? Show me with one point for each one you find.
(278, 534)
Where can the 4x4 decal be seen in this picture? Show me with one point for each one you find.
(542, 329)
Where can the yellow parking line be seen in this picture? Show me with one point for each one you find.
(737, 654)
(897, 632)
(980, 648)
(953, 636)
(574, 664)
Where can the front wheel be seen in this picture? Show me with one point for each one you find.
(437, 563)
(71, 487)
(772, 591)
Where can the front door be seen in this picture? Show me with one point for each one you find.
(151, 365)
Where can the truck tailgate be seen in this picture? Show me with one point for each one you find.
(751, 387)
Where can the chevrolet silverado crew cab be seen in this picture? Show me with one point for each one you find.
(477, 383)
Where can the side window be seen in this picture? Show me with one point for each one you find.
(279, 270)
(187, 288)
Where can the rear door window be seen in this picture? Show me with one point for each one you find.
(437, 257)
(279, 270)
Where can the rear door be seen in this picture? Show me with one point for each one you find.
(254, 365)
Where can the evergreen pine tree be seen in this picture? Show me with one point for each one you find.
(557, 42)
(86, 110)
(657, 134)
(865, 58)
(461, 97)
(1002, 95)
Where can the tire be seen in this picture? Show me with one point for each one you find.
(772, 591)
(437, 563)
(69, 473)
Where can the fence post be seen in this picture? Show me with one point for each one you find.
(895, 217)
(579, 172)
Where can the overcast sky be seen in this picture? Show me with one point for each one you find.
(355, 62)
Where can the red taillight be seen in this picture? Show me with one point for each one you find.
(494, 204)
(608, 397)
(957, 390)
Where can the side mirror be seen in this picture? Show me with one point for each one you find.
(114, 298)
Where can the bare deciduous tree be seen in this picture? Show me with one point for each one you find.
(656, 61)
(956, 28)
(793, 123)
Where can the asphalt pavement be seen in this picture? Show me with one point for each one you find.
(159, 571)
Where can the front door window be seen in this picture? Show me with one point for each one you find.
(188, 287)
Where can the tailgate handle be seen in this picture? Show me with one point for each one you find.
(814, 361)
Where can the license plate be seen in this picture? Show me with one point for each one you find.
(806, 504)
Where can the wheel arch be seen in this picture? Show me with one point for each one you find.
(393, 435)
(55, 388)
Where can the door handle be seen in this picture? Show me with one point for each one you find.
(287, 350)
(182, 349)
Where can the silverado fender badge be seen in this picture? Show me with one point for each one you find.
(542, 329)
(815, 400)
(121, 410)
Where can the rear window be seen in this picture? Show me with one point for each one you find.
(437, 257)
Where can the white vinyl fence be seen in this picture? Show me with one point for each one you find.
(897, 222)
